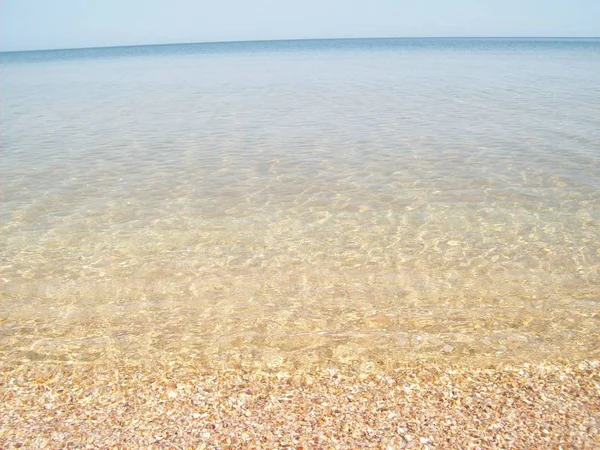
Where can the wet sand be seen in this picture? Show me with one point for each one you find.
(186, 406)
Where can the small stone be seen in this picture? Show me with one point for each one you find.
(447, 348)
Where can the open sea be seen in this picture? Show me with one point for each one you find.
(365, 202)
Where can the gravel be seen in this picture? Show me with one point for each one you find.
(183, 406)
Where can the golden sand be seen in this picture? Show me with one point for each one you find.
(183, 406)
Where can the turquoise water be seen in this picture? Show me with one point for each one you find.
(361, 202)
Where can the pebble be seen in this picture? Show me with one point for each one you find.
(447, 348)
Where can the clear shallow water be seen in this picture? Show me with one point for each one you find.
(360, 202)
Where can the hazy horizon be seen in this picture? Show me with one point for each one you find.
(294, 39)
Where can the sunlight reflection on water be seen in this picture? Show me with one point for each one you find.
(381, 205)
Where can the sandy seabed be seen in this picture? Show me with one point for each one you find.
(184, 406)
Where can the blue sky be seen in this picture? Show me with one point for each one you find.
(42, 24)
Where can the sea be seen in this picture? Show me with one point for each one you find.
(359, 203)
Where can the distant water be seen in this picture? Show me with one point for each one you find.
(359, 202)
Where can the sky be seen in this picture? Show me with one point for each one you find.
(47, 24)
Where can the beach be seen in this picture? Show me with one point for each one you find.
(338, 243)
(184, 406)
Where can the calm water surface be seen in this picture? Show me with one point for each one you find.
(358, 202)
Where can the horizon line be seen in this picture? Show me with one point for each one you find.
(237, 41)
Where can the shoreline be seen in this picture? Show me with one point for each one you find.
(185, 405)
